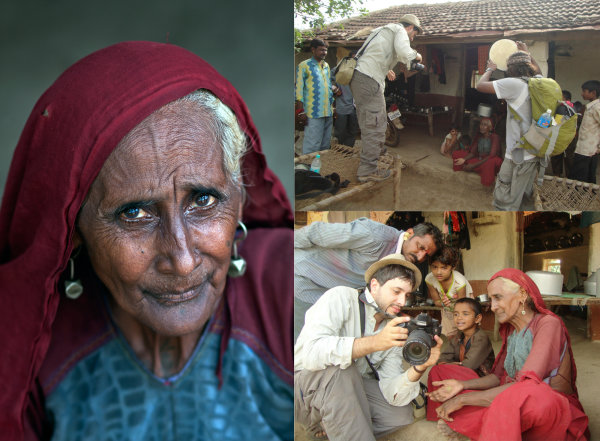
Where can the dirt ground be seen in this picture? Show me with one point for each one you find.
(428, 180)
(587, 359)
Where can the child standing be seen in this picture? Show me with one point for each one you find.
(587, 152)
(470, 346)
(446, 285)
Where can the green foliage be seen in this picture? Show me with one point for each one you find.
(316, 13)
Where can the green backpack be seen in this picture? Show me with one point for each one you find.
(546, 94)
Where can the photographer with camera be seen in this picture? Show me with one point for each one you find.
(349, 383)
(327, 255)
(384, 48)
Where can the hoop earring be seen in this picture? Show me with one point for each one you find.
(73, 288)
(237, 265)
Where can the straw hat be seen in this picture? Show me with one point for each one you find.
(413, 20)
(500, 51)
(393, 259)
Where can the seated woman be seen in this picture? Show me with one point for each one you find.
(128, 311)
(531, 391)
(483, 156)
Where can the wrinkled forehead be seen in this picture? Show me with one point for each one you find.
(175, 147)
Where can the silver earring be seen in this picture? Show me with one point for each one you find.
(73, 288)
(237, 266)
(523, 311)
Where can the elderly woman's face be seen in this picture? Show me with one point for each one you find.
(159, 221)
(505, 303)
(485, 126)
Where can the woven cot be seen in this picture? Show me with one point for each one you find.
(566, 194)
(344, 161)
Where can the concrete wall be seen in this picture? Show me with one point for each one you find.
(581, 66)
(248, 42)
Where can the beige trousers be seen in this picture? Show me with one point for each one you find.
(348, 406)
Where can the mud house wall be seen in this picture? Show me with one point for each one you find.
(493, 246)
(582, 65)
(453, 60)
(569, 258)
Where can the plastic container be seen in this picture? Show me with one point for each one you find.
(315, 165)
(549, 283)
(545, 119)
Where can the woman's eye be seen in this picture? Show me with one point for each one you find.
(204, 200)
(133, 213)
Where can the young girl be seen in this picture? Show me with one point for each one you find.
(454, 141)
(470, 346)
(446, 285)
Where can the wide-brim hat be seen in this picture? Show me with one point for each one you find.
(413, 20)
(393, 259)
(500, 51)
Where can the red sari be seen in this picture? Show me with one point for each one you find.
(530, 408)
(490, 168)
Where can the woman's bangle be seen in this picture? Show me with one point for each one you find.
(418, 371)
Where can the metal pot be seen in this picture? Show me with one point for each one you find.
(484, 110)
(483, 298)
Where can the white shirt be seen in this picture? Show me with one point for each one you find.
(330, 327)
(516, 93)
(386, 49)
(458, 282)
(588, 143)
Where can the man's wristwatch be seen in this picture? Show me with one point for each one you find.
(489, 69)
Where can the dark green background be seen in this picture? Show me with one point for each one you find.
(249, 42)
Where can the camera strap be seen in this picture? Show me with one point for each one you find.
(361, 306)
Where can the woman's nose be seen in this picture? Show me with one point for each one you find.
(179, 253)
(493, 306)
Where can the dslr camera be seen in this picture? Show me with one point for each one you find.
(421, 330)
(415, 65)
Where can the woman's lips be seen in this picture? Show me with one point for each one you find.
(169, 298)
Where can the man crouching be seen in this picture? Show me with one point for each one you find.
(349, 383)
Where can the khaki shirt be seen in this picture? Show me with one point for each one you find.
(588, 143)
(389, 45)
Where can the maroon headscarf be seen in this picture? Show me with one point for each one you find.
(70, 133)
(533, 291)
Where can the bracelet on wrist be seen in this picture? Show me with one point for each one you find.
(418, 371)
(489, 69)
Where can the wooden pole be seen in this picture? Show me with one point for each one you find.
(317, 206)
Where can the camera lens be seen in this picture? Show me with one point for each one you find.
(417, 348)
